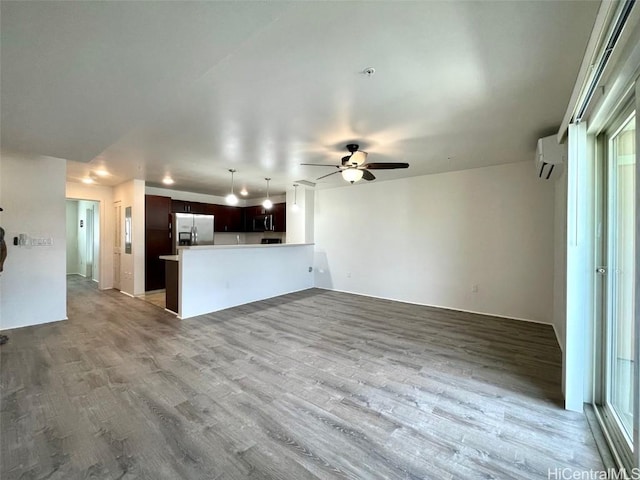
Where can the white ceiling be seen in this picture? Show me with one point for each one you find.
(192, 89)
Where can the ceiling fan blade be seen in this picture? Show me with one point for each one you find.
(327, 175)
(385, 165)
(367, 175)
(320, 165)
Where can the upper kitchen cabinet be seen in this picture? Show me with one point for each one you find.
(279, 212)
(183, 206)
(228, 218)
(157, 210)
(259, 219)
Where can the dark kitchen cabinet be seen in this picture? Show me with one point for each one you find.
(228, 218)
(183, 206)
(172, 276)
(157, 240)
(279, 212)
(250, 213)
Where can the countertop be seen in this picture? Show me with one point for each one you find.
(175, 258)
(243, 245)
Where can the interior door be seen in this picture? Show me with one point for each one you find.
(617, 290)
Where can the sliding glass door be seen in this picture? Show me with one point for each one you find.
(618, 272)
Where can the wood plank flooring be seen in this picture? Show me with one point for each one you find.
(316, 384)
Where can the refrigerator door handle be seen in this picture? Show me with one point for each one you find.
(194, 235)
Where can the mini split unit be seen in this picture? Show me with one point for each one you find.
(550, 157)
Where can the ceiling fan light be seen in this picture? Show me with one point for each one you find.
(358, 157)
(352, 174)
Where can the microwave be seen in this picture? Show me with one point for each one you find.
(263, 223)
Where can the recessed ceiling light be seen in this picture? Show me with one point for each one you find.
(88, 180)
(168, 181)
(101, 173)
(244, 192)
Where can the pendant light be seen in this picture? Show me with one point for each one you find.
(267, 202)
(295, 207)
(231, 199)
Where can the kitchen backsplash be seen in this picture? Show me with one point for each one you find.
(253, 238)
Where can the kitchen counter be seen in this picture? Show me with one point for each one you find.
(176, 258)
(208, 278)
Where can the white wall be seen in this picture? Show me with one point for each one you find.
(216, 278)
(103, 195)
(430, 239)
(82, 237)
(204, 198)
(300, 221)
(96, 242)
(131, 194)
(33, 285)
(186, 196)
(560, 258)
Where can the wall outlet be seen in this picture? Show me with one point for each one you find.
(474, 288)
(348, 274)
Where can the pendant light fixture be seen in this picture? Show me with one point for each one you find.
(231, 199)
(295, 207)
(267, 202)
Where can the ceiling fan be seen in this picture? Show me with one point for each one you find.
(353, 167)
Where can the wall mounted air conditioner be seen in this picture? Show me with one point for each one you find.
(550, 157)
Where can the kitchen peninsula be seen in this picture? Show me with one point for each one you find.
(214, 277)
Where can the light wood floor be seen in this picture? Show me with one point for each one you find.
(316, 384)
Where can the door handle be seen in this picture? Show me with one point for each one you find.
(601, 270)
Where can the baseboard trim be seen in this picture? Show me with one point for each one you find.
(439, 306)
(16, 327)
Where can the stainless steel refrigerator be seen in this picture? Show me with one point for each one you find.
(191, 229)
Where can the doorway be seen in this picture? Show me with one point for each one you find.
(83, 238)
